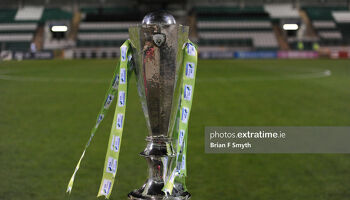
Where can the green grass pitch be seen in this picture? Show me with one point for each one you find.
(47, 109)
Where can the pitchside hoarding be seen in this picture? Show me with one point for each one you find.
(258, 54)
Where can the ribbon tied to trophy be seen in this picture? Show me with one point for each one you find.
(165, 64)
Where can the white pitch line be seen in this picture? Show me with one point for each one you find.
(214, 79)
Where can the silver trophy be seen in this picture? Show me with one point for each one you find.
(157, 55)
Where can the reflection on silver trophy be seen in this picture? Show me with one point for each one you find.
(157, 55)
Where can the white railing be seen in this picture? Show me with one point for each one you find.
(103, 36)
(105, 25)
(260, 39)
(330, 34)
(16, 37)
(18, 26)
(234, 24)
(324, 24)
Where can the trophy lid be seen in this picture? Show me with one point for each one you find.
(159, 17)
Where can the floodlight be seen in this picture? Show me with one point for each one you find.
(59, 28)
(290, 27)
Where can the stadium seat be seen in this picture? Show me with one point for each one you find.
(282, 11)
(94, 32)
(235, 27)
(17, 28)
(103, 33)
(330, 32)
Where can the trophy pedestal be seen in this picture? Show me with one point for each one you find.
(159, 154)
(139, 194)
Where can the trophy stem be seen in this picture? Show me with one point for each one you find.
(159, 155)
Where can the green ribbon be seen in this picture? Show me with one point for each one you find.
(115, 138)
(179, 172)
(111, 94)
(118, 89)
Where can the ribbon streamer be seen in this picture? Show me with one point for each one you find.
(115, 139)
(109, 97)
(179, 172)
(118, 89)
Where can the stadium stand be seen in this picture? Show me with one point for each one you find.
(55, 14)
(286, 13)
(19, 26)
(29, 13)
(282, 11)
(98, 29)
(7, 15)
(97, 34)
(324, 24)
(102, 28)
(342, 18)
(235, 27)
(16, 31)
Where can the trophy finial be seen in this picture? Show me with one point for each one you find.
(159, 17)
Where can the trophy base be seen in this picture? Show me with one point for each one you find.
(139, 194)
(159, 154)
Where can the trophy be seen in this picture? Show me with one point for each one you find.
(164, 61)
(157, 46)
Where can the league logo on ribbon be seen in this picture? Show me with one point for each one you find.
(123, 52)
(119, 121)
(115, 82)
(108, 101)
(181, 137)
(190, 70)
(188, 92)
(121, 98)
(111, 166)
(107, 184)
(191, 50)
(122, 76)
(184, 116)
(115, 143)
(100, 118)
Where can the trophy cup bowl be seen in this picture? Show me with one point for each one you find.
(157, 55)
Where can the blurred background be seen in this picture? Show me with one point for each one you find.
(96, 28)
(262, 63)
